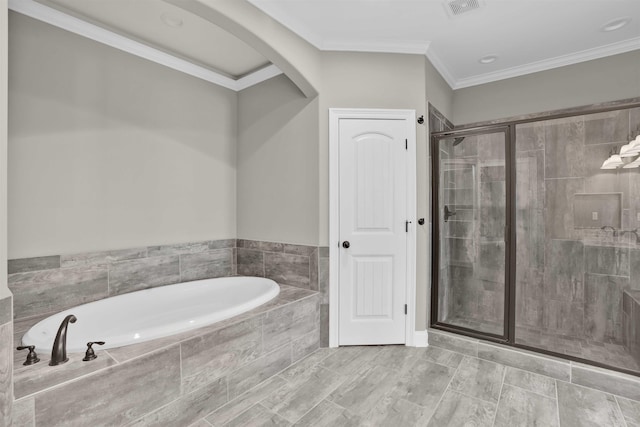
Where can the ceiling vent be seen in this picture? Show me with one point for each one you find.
(458, 7)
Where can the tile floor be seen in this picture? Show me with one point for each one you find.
(399, 386)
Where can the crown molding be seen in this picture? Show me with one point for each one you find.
(101, 35)
(438, 64)
(256, 77)
(548, 64)
(402, 46)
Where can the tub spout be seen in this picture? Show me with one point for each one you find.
(59, 350)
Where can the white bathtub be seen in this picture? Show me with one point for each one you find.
(154, 313)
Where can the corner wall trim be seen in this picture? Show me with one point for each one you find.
(96, 33)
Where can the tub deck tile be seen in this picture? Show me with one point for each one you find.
(259, 370)
(31, 379)
(288, 294)
(256, 365)
(211, 356)
(115, 396)
(24, 413)
(189, 407)
(290, 322)
(304, 346)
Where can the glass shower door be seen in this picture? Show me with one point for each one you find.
(470, 273)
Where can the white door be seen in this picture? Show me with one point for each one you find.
(373, 227)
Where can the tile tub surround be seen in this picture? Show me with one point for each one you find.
(173, 380)
(46, 285)
(296, 265)
(6, 367)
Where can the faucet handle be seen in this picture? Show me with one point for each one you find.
(32, 357)
(90, 354)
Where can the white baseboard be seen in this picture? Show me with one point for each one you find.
(420, 339)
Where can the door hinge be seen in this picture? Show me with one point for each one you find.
(405, 309)
(406, 144)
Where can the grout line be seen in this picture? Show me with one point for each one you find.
(571, 371)
(108, 280)
(181, 373)
(226, 382)
(495, 415)
(533, 392)
(624, 419)
(557, 402)
(447, 388)
(324, 399)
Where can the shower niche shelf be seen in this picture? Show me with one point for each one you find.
(597, 210)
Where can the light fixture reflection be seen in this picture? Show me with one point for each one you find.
(630, 150)
(612, 162)
(634, 164)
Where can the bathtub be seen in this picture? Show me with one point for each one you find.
(154, 313)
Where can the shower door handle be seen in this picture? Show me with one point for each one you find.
(448, 213)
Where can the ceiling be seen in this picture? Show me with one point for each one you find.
(524, 36)
(171, 30)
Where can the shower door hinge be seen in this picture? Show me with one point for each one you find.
(405, 309)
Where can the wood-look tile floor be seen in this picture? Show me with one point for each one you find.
(399, 386)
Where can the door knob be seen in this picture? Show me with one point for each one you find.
(346, 244)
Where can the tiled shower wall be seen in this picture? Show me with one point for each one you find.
(571, 274)
(473, 186)
(53, 283)
(437, 123)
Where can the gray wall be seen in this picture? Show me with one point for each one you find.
(277, 169)
(6, 322)
(376, 80)
(439, 93)
(607, 79)
(3, 147)
(109, 151)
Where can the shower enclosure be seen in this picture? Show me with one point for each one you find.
(536, 246)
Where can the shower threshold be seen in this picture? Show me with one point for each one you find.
(612, 353)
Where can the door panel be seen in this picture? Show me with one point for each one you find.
(373, 211)
(470, 217)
